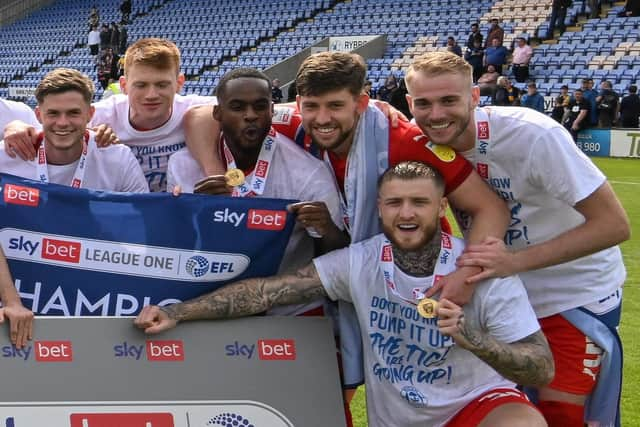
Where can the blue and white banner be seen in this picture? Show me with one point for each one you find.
(595, 142)
(79, 252)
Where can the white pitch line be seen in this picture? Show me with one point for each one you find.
(625, 182)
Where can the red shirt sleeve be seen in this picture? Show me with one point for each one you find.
(407, 142)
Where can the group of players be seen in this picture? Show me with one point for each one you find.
(369, 225)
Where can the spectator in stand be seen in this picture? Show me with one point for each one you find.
(94, 17)
(594, 8)
(630, 108)
(631, 8)
(108, 67)
(475, 35)
(115, 37)
(522, 54)
(475, 57)
(578, 115)
(124, 40)
(608, 105)
(495, 32)
(453, 47)
(292, 92)
(125, 10)
(496, 54)
(488, 82)
(276, 92)
(590, 95)
(561, 104)
(506, 93)
(93, 40)
(399, 100)
(390, 85)
(558, 16)
(105, 37)
(532, 99)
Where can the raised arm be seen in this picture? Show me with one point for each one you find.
(526, 362)
(242, 298)
(202, 135)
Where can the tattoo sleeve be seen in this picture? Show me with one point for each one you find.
(251, 296)
(525, 362)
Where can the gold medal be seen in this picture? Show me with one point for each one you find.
(443, 152)
(427, 308)
(234, 177)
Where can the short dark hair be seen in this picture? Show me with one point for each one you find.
(633, 89)
(410, 170)
(329, 71)
(564, 87)
(240, 73)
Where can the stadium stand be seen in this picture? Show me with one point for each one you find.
(218, 35)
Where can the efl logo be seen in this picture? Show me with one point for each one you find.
(19, 195)
(483, 130)
(76, 183)
(277, 349)
(165, 351)
(483, 170)
(446, 241)
(127, 419)
(54, 351)
(387, 255)
(261, 168)
(261, 219)
(61, 250)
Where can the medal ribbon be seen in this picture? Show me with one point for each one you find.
(344, 207)
(42, 173)
(255, 183)
(444, 265)
(483, 143)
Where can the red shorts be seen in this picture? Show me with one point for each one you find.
(473, 414)
(576, 357)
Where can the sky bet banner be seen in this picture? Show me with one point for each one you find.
(78, 252)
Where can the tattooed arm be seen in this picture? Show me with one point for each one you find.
(526, 362)
(242, 298)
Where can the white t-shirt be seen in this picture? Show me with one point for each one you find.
(534, 165)
(11, 110)
(294, 174)
(414, 375)
(153, 147)
(111, 168)
(93, 38)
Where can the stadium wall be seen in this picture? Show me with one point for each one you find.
(14, 10)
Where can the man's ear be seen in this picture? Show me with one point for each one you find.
(362, 102)
(442, 210)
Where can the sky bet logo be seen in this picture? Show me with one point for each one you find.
(257, 219)
(19, 195)
(156, 351)
(42, 351)
(267, 350)
(58, 250)
(125, 420)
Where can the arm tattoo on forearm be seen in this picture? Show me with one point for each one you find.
(252, 296)
(527, 362)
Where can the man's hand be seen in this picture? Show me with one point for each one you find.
(105, 136)
(455, 286)
(215, 185)
(492, 256)
(20, 323)
(154, 320)
(314, 216)
(451, 322)
(20, 138)
(394, 115)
